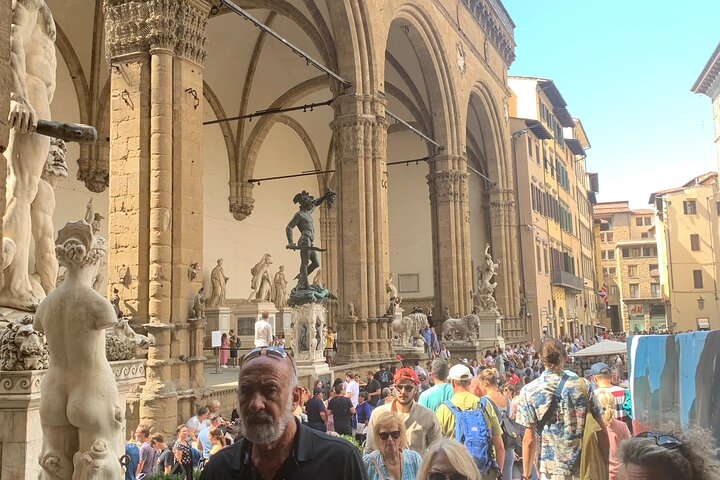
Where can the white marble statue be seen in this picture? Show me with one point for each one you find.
(219, 281)
(483, 298)
(122, 343)
(395, 299)
(280, 288)
(33, 64)
(261, 282)
(41, 212)
(78, 425)
(94, 219)
(461, 329)
(198, 310)
(22, 348)
(404, 329)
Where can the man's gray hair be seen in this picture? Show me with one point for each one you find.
(440, 369)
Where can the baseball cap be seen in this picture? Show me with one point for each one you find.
(406, 374)
(317, 390)
(600, 369)
(459, 372)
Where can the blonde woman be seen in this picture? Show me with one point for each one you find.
(488, 385)
(447, 459)
(617, 431)
(217, 438)
(392, 460)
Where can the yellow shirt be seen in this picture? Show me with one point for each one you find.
(466, 401)
(330, 341)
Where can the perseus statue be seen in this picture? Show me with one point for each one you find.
(309, 258)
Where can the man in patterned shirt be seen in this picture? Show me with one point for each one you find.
(562, 436)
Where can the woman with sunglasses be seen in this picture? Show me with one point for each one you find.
(392, 460)
(655, 456)
(448, 459)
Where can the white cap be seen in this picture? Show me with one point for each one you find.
(460, 372)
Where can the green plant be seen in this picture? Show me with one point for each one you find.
(352, 440)
(162, 476)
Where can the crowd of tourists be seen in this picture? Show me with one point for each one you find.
(513, 414)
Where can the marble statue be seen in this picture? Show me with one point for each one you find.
(280, 288)
(261, 283)
(351, 310)
(22, 348)
(461, 329)
(395, 299)
(74, 318)
(122, 343)
(309, 258)
(33, 64)
(194, 270)
(219, 281)
(404, 329)
(318, 279)
(483, 298)
(198, 310)
(115, 302)
(41, 213)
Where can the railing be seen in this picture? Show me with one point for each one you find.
(565, 279)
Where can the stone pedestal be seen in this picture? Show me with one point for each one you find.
(489, 338)
(21, 438)
(308, 342)
(217, 318)
(244, 316)
(411, 354)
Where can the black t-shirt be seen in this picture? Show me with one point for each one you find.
(383, 376)
(372, 387)
(314, 455)
(340, 406)
(313, 407)
(164, 459)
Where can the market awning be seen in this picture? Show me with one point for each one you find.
(606, 347)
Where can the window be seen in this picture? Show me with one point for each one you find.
(611, 255)
(698, 278)
(626, 252)
(689, 207)
(644, 235)
(635, 252)
(655, 290)
(648, 220)
(638, 221)
(545, 259)
(409, 282)
(610, 237)
(634, 290)
(695, 242)
(613, 290)
(539, 258)
(653, 270)
(530, 146)
(632, 271)
(613, 272)
(649, 252)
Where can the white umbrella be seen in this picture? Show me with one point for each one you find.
(606, 347)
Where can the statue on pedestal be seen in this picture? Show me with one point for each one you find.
(261, 284)
(74, 318)
(395, 299)
(280, 288)
(198, 310)
(219, 280)
(33, 64)
(304, 292)
(483, 298)
(94, 219)
(115, 301)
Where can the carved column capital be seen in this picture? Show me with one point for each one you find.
(448, 186)
(241, 200)
(139, 26)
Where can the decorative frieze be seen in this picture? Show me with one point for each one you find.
(496, 24)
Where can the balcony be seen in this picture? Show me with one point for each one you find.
(565, 279)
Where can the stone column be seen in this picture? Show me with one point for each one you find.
(156, 50)
(450, 214)
(328, 235)
(503, 230)
(360, 130)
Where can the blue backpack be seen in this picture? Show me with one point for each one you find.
(472, 431)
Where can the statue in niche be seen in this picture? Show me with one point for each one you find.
(198, 310)
(395, 299)
(74, 318)
(22, 348)
(33, 64)
(351, 310)
(303, 340)
(280, 288)
(219, 281)
(115, 302)
(261, 283)
(41, 212)
(309, 259)
(94, 219)
(194, 270)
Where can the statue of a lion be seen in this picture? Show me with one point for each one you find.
(22, 348)
(466, 328)
(122, 343)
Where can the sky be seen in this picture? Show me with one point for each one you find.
(625, 68)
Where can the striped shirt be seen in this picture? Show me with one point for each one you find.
(619, 394)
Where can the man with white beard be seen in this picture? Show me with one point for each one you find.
(274, 443)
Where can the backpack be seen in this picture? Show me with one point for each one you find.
(512, 432)
(472, 430)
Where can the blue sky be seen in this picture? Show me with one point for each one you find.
(625, 68)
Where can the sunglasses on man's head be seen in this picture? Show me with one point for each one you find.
(668, 441)
(435, 475)
(274, 351)
(384, 435)
(404, 386)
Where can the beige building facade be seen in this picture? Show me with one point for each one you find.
(555, 212)
(180, 182)
(687, 232)
(628, 254)
(708, 83)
